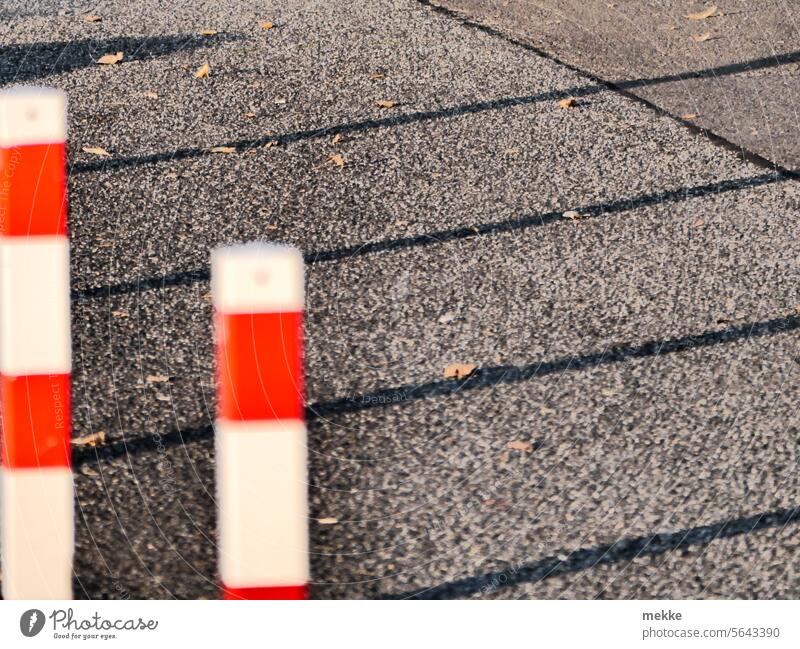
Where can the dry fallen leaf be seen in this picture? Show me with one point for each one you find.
(328, 521)
(385, 103)
(699, 223)
(110, 59)
(157, 378)
(271, 144)
(91, 440)
(222, 149)
(163, 397)
(700, 38)
(572, 215)
(207, 32)
(267, 25)
(336, 159)
(459, 370)
(120, 314)
(203, 71)
(499, 503)
(706, 13)
(91, 18)
(375, 76)
(96, 150)
(151, 95)
(447, 318)
(250, 115)
(518, 445)
(336, 138)
(689, 116)
(567, 103)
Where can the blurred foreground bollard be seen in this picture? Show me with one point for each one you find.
(258, 295)
(35, 347)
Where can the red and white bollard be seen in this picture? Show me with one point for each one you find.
(35, 348)
(258, 296)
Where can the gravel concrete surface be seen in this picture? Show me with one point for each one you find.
(645, 345)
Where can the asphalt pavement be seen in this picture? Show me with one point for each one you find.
(626, 283)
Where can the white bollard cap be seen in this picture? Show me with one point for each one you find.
(32, 115)
(257, 278)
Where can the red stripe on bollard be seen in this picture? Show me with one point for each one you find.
(260, 360)
(35, 200)
(271, 592)
(36, 426)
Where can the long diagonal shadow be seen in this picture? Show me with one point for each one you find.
(437, 114)
(23, 62)
(189, 277)
(484, 378)
(501, 374)
(586, 558)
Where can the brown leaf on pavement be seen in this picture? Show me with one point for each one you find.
(110, 59)
(207, 32)
(203, 71)
(689, 116)
(706, 13)
(459, 370)
(96, 150)
(375, 76)
(151, 95)
(267, 25)
(701, 38)
(222, 149)
(90, 440)
(157, 378)
(385, 103)
(336, 138)
(567, 103)
(336, 160)
(519, 445)
(92, 18)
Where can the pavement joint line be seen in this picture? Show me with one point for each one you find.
(626, 549)
(622, 88)
(189, 277)
(483, 378)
